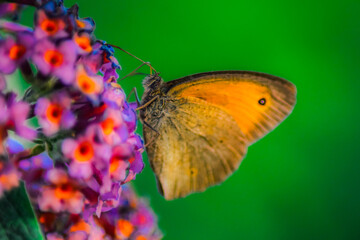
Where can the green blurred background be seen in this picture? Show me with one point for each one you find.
(302, 180)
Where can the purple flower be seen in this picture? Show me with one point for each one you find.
(9, 177)
(61, 194)
(13, 27)
(118, 162)
(13, 116)
(8, 8)
(56, 60)
(129, 116)
(84, 152)
(49, 27)
(94, 60)
(109, 68)
(83, 42)
(85, 24)
(113, 95)
(137, 163)
(14, 51)
(114, 129)
(54, 113)
(89, 84)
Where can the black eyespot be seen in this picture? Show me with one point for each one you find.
(262, 101)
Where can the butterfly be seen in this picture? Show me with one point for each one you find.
(197, 128)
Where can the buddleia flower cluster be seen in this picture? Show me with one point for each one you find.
(85, 148)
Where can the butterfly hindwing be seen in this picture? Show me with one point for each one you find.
(197, 145)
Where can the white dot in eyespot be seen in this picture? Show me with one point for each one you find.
(262, 101)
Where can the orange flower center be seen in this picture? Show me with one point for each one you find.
(49, 26)
(107, 126)
(84, 43)
(80, 226)
(53, 113)
(86, 84)
(84, 152)
(125, 227)
(80, 24)
(17, 51)
(140, 237)
(114, 164)
(64, 191)
(54, 58)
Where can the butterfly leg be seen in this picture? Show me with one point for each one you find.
(148, 103)
(136, 96)
(154, 138)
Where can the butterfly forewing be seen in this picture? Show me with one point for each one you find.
(258, 102)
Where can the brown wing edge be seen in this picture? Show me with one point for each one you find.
(168, 85)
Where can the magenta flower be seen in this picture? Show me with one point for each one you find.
(134, 219)
(83, 42)
(61, 195)
(85, 153)
(85, 24)
(56, 60)
(14, 51)
(54, 113)
(89, 84)
(136, 163)
(86, 148)
(8, 9)
(114, 129)
(49, 27)
(13, 116)
(143, 218)
(94, 60)
(118, 162)
(129, 116)
(9, 177)
(14, 27)
(109, 68)
(55, 236)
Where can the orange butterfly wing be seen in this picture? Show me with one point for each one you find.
(206, 122)
(257, 101)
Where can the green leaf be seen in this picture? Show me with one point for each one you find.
(17, 218)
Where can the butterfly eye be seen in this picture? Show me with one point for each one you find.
(262, 101)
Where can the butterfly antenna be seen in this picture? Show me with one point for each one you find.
(144, 63)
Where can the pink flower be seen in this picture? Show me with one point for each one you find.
(114, 129)
(56, 60)
(54, 113)
(90, 85)
(9, 177)
(13, 116)
(85, 153)
(49, 27)
(61, 195)
(14, 51)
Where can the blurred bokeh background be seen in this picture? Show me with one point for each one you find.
(302, 181)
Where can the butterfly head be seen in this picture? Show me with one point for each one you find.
(152, 81)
